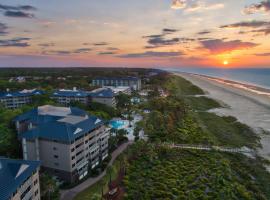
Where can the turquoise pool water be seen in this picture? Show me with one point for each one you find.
(117, 124)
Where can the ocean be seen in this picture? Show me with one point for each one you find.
(257, 77)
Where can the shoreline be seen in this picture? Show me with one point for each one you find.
(247, 106)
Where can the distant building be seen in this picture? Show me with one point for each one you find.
(103, 95)
(19, 179)
(67, 140)
(18, 99)
(65, 97)
(132, 82)
(119, 90)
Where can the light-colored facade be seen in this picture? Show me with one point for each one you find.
(132, 82)
(13, 100)
(20, 179)
(65, 97)
(81, 143)
(104, 96)
(29, 190)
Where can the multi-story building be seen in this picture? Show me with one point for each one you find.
(103, 95)
(132, 82)
(19, 179)
(65, 97)
(66, 140)
(15, 100)
(119, 90)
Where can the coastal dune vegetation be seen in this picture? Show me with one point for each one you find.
(160, 172)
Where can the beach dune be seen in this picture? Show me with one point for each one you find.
(249, 106)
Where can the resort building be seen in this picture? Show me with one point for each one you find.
(19, 179)
(65, 97)
(103, 95)
(15, 100)
(119, 90)
(132, 82)
(66, 140)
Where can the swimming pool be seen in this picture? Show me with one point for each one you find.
(118, 124)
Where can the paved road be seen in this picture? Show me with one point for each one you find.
(71, 193)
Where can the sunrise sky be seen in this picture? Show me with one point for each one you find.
(135, 33)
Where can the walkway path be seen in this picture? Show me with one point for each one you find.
(243, 150)
(71, 193)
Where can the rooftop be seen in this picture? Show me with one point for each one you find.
(102, 92)
(21, 93)
(118, 78)
(13, 173)
(63, 124)
(70, 93)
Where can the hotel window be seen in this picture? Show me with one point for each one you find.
(35, 182)
(36, 192)
(56, 156)
(54, 148)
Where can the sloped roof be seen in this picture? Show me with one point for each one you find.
(70, 93)
(13, 173)
(54, 125)
(102, 93)
(21, 93)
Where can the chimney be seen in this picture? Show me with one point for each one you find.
(74, 89)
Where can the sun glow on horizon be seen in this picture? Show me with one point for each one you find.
(225, 62)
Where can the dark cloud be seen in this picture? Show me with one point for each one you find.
(101, 44)
(15, 42)
(265, 31)
(50, 44)
(152, 54)
(3, 29)
(203, 32)
(250, 24)
(168, 30)
(263, 6)
(218, 46)
(262, 54)
(82, 50)
(160, 40)
(19, 14)
(112, 49)
(18, 11)
(65, 52)
(262, 27)
(106, 53)
(24, 7)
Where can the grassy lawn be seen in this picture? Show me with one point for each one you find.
(94, 192)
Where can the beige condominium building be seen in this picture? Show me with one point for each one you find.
(19, 179)
(66, 140)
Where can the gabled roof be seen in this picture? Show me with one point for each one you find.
(13, 173)
(58, 123)
(70, 93)
(102, 93)
(21, 93)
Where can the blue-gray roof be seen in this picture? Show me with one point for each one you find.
(130, 78)
(70, 93)
(13, 173)
(102, 93)
(20, 93)
(64, 126)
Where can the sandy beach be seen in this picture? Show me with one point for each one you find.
(248, 106)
